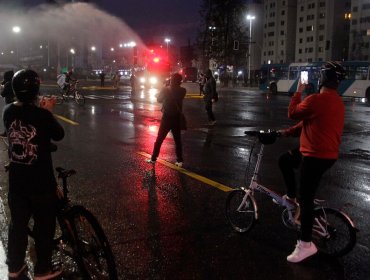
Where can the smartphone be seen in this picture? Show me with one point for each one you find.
(304, 77)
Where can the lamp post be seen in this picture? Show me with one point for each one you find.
(250, 18)
(16, 30)
(132, 45)
(72, 51)
(167, 40)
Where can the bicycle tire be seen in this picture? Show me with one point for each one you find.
(93, 253)
(59, 99)
(241, 220)
(79, 98)
(338, 237)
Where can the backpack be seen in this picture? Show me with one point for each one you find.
(61, 79)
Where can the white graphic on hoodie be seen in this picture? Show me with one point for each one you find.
(21, 149)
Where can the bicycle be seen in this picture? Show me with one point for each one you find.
(334, 233)
(71, 92)
(80, 238)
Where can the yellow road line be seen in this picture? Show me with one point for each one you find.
(193, 95)
(66, 120)
(191, 174)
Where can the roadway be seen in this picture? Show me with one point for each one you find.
(169, 223)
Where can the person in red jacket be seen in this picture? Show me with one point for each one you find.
(320, 126)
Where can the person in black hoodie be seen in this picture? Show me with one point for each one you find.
(32, 185)
(209, 96)
(171, 97)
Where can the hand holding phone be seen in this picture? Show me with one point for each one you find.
(304, 77)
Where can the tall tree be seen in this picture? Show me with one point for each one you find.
(223, 22)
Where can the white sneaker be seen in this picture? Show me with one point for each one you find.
(150, 161)
(179, 163)
(302, 252)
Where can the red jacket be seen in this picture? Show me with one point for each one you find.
(322, 121)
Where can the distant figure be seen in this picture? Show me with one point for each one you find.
(116, 78)
(201, 81)
(209, 94)
(102, 78)
(64, 81)
(133, 82)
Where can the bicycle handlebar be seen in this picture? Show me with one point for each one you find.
(265, 137)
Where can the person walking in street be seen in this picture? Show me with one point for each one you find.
(209, 93)
(133, 82)
(172, 98)
(7, 91)
(32, 189)
(116, 78)
(102, 78)
(320, 129)
(201, 81)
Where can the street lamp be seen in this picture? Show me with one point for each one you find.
(250, 18)
(72, 51)
(16, 29)
(132, 45)
(167, 40)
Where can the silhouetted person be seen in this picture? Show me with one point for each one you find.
(209, 93)
(32, 188)
(102, 79)
(171, 97)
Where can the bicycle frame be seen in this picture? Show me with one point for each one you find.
(255, 186)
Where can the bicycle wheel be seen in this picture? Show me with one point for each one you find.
(60, 97)
(240, 211)
(92, 250)
(79, 98)
(332, 232)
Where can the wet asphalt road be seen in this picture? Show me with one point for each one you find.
(164, 224)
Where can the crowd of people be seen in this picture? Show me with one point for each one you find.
(30, 125)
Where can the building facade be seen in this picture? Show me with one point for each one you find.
(359, 37)
(279, 24)
(322, 30)
(305, 30)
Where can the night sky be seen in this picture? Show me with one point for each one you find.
(155, 19)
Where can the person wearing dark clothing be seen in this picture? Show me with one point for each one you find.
(32, 185)
(7, 91)
(201, 81)
(102, 79)
(172, 98)
(209, 93)
(133, 82)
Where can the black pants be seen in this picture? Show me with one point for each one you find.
(311, 171)
(169, 123)
(43, 210)
(288, 162)
(210, 114)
